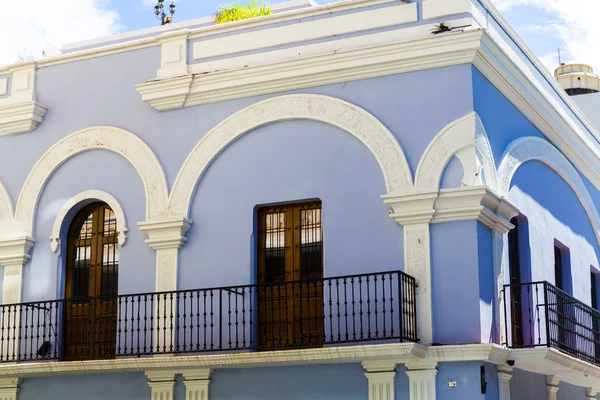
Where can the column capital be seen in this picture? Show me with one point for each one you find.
(379, 365)
(504, 377)
(166, 233)
(9, 387)
(15, 251)
(411, 208)
(197, 383)
(421, 378)
(591, 393)
(161, 383)
(552, 382)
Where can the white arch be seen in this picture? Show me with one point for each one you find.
(89, 195)
(356, 121)
(139, 155)
(465, 138)
(6, 211)
(532, 148)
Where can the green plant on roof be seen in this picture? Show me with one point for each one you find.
(236, 12)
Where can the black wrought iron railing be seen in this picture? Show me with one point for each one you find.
(540, 314)
(328, 311)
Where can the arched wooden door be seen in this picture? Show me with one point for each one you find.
(91, 284)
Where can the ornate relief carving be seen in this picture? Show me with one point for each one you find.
(416, 257)
(124, 143)
(531, 148)
(364, 126)
(467, 139)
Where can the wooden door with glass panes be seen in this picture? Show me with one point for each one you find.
(91, 284)
(290, 276)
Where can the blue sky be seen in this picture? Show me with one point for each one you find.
(545, 25)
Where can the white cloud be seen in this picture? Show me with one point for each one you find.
(39, 22)
(574, 24)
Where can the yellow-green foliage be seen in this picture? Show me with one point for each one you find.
(236, 12)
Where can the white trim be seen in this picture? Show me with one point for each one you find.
(466, 139)
(139, 155)
(9, 388)
(399, 352)
(203, 86)
(504, 377)
(6, 206)
(161, 384)
(422, 380)
(20, 118)
(552, 382)
(197, 383)
(532, 148)
(335, 25)
(80, 198)
(380, 375)
(364, 126)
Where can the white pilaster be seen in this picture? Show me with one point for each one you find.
(161, 384)
(9, 387)
(380, 375)
(421, 380)
(552, 382)
(197, 383)
(504, 377)
(14, 254)
(414, 212)
(166, 237)
(591, 393)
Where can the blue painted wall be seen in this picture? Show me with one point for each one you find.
(468, 381)
(315, 382)
(527, 385)
(132, 385)
(454, 259)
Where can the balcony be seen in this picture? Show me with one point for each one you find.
(539, 314)
(366, 308)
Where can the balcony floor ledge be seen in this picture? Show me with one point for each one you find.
(549, 361)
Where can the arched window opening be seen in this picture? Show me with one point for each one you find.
(91, 285)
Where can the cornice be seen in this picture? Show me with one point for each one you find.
(20, 118)
(412, 207)
(333, 67)
(15, 251)
(166, 234)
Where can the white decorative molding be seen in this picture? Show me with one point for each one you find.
(9, 388)
(335, 25)
(363, 60)
(504, 377)
(117, 140)
(6, 208)
(466, 139)
(552, 382)
(535, 149)
(20, 118)
(381, 375)
(19, 111)
(399, 352)
(84, 197)
(14, 254)
(353, 119)
(3, 86)
(197, 383)
(161, 384)
(166, 237)
(590, 393)
(421, 380)
(442, 8)
(173, 54)
(417, 263)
